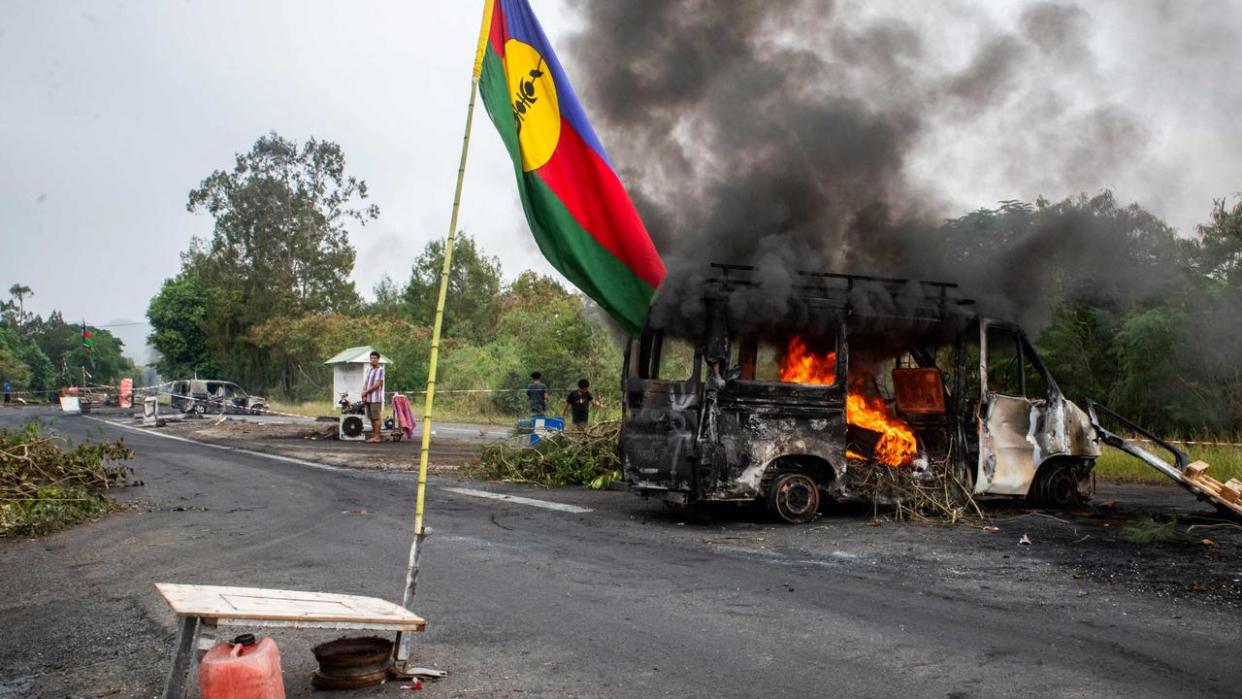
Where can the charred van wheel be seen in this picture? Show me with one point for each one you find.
(1057, 486)
(794, 497)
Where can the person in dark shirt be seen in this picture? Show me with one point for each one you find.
(579, 403)
(537, 395)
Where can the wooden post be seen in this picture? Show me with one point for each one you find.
(411, 578)
(403, 643)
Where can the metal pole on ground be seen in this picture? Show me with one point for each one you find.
(411, 577)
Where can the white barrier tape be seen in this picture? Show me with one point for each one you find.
(486, 390)
(1194, 442)
(89, 388)
(421, 391)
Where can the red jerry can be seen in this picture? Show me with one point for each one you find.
(242, 669)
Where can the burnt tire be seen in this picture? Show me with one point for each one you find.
(793, 498)
(1057, 487)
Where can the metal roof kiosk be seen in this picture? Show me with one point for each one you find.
(348, 370)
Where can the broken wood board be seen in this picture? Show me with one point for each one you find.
(266, 605)
(1231, 490)
(1196, 470)
(1209, 483)
(1227, 496)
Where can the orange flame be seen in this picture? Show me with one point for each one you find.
(800, 365)
(896, 446)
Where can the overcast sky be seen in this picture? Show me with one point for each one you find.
(112, 111)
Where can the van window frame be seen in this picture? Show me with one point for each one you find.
(840, 346)
(650, 349)
(1025, 354)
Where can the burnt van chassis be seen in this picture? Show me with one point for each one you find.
(719, 435)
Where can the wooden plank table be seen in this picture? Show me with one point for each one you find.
(197, 606)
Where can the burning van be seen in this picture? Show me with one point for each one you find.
(856, 375)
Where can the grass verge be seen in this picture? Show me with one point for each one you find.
(1118, 467)
(308, 408)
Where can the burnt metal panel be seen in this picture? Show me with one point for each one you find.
(1006, 448)
(919, 391)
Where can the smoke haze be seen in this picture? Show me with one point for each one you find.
(812, 135)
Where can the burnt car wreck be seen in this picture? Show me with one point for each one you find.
(862, 374)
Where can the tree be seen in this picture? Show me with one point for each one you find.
(42, 372)
(532, 288)
(388, 298)
(1077, 346)
(305, 342)
(542, 327)
(20, 292)
(279, 245)
(177, 314)
(1022, 261)
(12, 368)
(1220, 244)
(60, 345)
(17, 312)
(474, 284)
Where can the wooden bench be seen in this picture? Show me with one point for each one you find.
(212, 606)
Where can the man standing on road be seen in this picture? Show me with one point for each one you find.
(8, 388)
(579, 403)
(537, 395)
(373, 395)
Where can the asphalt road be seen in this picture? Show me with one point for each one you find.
(621, 601)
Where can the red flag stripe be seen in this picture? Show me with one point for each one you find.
(497, 35)
(595, 197)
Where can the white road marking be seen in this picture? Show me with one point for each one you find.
(560, 507)
(251, 452)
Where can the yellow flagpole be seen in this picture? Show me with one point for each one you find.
(411, 577)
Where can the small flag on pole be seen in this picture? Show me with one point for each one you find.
(89, 345)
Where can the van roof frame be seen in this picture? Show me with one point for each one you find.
(938, 302)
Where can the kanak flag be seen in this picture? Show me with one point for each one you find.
(580, 214)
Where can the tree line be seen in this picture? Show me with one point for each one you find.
(268, 296)
(1122, 308)
(40, 355)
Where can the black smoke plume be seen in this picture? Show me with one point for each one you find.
(782, 134)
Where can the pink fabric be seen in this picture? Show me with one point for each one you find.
(405, 414)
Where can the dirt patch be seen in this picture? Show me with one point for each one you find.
(305, 441)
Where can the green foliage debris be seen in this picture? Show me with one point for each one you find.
(45, 485)
(1152, 531)
(589, 457)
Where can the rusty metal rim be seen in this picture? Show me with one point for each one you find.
(364, 652)
(322, 681)
(350, 663)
